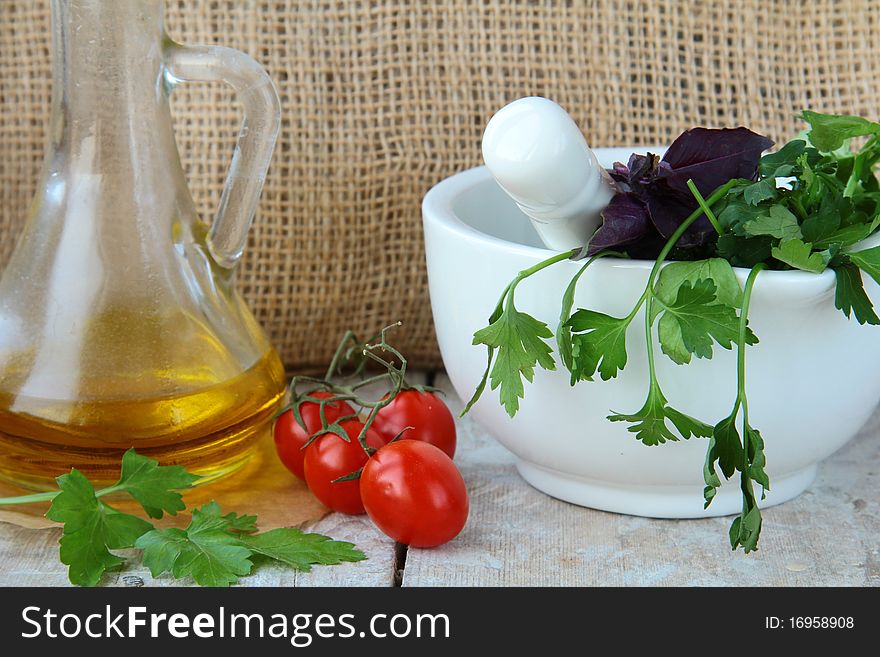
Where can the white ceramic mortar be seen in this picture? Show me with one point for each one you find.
(812, 381)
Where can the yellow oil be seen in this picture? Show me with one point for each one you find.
(211, 430)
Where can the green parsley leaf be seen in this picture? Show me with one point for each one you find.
(210, 517)
(490, 351)
(211, 558)
(598, 342)
(829, 131)
(786, 156)
(736, 212)
(718, 270)
(91, 529)
(161, 548)
(649, 422)
(300, 550)
(868, 261)
(563, 331)
(826, 221)
(799, 255)
(777, 222)
(743, 251)
(205, 550)
(214, 551)
(726, 447)
(850, 296)
(690, 324)
(153, 485)
(763, 190)
(846, 236)
(520, 341)
(746, 529)
(686, 425)
(757, 460)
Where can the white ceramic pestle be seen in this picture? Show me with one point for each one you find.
(539, 156)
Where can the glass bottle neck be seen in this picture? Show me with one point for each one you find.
(108, 82)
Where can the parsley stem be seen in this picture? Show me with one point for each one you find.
(713, 198)
(799, 208)
(507, 296)
(704, 206)
(649, 302)
(745, 532)
(534, 269)
(741, 347)
(36, 498)
(29, 499)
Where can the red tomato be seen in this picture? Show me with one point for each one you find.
(290, 437)
(425, 412)
(414, 494)
(331, 457)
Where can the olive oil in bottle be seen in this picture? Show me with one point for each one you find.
(211, 431)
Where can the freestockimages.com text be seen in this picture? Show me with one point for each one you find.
(300, 629)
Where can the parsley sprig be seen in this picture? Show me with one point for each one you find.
(215, 550)
(520, 341)
(732, 454)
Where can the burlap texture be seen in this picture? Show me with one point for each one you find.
(384, 98)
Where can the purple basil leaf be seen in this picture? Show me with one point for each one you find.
(620, 170)
(711, 157)
(620, 175)
(654, 198)
(668, 208)
(642, 166)
(624, 221)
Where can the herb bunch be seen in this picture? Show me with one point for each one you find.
(216, 549)
(710, 204)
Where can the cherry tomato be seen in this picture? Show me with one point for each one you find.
(414, 493)
(290, 436)
(425, 412)
(331, 457)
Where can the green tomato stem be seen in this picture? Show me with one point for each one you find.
(397, 375)
(334, 362)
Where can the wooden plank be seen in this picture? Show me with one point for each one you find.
(29, 557)
(519, 536)
(376, 570)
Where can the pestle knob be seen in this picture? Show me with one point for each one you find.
(538, 155)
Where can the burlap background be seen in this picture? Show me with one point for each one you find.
(384, 98)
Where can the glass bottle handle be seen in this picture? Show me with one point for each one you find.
(256, 140)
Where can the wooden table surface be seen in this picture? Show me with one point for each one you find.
(517, 536)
